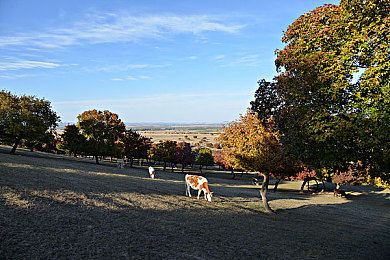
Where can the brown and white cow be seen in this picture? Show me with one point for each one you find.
(198, 183)
(340, 192)
(151, 172)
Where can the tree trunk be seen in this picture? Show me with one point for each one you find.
(165, 166)
(97, 159)
(200, 169)
(17, 141)
(263, 193)
(277, 184)
(307, 180)
(182, 168)
(131, 162)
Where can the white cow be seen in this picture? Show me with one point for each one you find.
(151, 172)
(120, 163)
(198, 183)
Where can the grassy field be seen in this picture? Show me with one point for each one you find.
(60, 207)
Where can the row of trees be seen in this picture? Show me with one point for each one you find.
(97, 133)
(327, 111)
(102, 133)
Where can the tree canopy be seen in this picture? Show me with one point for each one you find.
(183, 155)
(204, 157)
(334, 85)
(253, 146)
(134, 145)
(102, 130)
(164, 151)
(73, 140)
(25, 118)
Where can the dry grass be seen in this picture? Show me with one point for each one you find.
(59, 207)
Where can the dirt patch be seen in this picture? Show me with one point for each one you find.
(57, 207)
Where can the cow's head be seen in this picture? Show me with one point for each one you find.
(209, 195)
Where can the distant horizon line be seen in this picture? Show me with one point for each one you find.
(158, 123)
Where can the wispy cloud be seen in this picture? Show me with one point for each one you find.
(131, 78)
(16, 76)
(191, 58)
(158, 98)
(218, 57)
(126, 67)
(10, 64)
(98, 28)
(248, 60)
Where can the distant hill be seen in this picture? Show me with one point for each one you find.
(198, 127)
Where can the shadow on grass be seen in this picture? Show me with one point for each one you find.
(53, 229)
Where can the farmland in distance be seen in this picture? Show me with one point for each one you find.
(201, 134)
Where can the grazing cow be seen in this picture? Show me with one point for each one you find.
(255, 181)
(151, 172)
(120, 163)
(198, 183)
(338, 192)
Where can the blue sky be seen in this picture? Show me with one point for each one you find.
(148, 61)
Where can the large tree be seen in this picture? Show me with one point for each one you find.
(183, 155)
(25, 118)
(254, 146)
(73, 140)
(134, 145)
(102, 130)
(204, 157)
(334, 82)
(164, 152)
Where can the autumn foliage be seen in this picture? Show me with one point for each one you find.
(331, 97)
(253, 145)
(26, 118)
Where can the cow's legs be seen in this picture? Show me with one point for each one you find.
(199, 192)
(188, 191)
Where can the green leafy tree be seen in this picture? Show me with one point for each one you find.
(164, 152)
(267, 101)
(73, 140)
(25, 118)
(134, 145)
(253, 146)
(102, 130)
(204, 157)
(334, 83)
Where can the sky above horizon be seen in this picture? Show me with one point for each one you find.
(148, 61)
